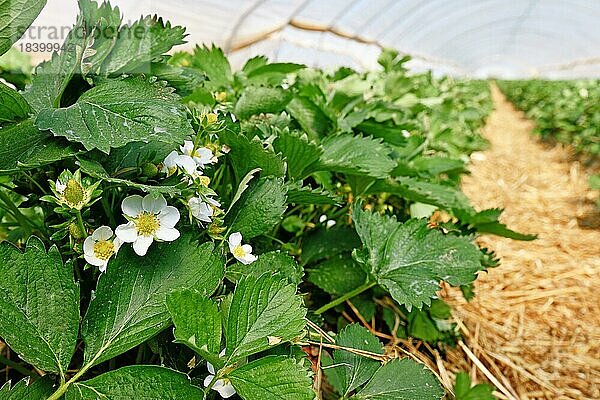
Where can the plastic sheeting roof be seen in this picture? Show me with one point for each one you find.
(518, 38)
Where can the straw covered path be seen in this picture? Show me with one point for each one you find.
(534, 325)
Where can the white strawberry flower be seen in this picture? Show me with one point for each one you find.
(202, 155)
(174, 160)
(242, 252)
(222, 386)
(150, 218)
(200, 210)
(100, 246)
(60, 187)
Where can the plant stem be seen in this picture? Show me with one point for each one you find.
(349, 295)
(81, 224)
(16, 366)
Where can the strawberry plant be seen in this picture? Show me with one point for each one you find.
(565, 111)
(172, 229)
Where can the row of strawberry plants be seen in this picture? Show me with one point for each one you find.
(172, 229)
(565, 111)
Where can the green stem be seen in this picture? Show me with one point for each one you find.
(16, 366)
(81, 224)
(347, 296)
(14, 210)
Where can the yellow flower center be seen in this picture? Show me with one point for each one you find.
(74, 194)
(238, 251)
(211, 118)
(204, 180)
(103, 249)
(147, 224)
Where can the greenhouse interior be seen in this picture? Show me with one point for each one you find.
(298, 200)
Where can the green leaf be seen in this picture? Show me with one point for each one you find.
(214, 64)
(356, 155)
(129, 304)
(117, 112)
(309, 116)
(300, 154)
(272, 378)
(39, 305)
(246, 155)
(23, 146)
(422, 327)
(148, 382)
(52, 77)
(40, 389)
(353, 369)
(445, 197)
(464, 391)
(401, 380)
(337, 275)
(13, 107)
(96, 170)
(259, 209)
(197, 322)
(325, 243)
(307, 195)
(410, 260)
(264, 312)
(486, 221)
(257, 99)
(271, 262)
(272, 74)
(15, 18)
(139, 44)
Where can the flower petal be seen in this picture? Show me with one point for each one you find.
(141, 245)
(167, 234)
(187, 163)
(127, 232)
(102, 267)
(235, 239)
(132, 205)
(168, 217)
(247, 248)
(170, 160)
(153, 204)
(227, 390)
(187, 147)
(208, 380)
(211, 368)
(93, 260)
(88, 245)
(102, 233)
(247, 259)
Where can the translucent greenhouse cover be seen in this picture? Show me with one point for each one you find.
(515, 38)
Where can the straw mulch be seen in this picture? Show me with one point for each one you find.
(533, 329)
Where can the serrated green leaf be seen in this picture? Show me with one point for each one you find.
(246, 155)
(137, 45)
(325, 243)
(309, 116)
(272, 378)
(13, 107)
(115, 324)
(486, 221)
(356, 155)
(264, 312)
(402, 380)
(117, 112)
(307, 196)
(96, 170)
(148, 382)
(443, 196)
(40, 389)
(39, 305)
(337, 275)
(259, 209)
(299, 153)
(257, 99)
(464, 391)
(24, 146)
(15, 18)
(353, 369)
(214, 64)
(197, 322)
(272, 74)
(410, 260)
(422, 327)
(271, 262)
